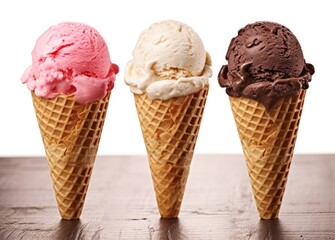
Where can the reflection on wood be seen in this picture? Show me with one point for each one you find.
(121, 204)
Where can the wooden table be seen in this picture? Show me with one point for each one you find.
(218, 203)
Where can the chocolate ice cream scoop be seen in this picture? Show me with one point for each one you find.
(265, 63)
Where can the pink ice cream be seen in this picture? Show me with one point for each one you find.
(71, 58)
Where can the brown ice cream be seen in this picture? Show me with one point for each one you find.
(265, 63)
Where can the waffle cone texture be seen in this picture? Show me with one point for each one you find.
(170, 129)
(71, 134)
(268, 140)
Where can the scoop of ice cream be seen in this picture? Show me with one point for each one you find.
(265, 62)
(71, 58)
(169, 60)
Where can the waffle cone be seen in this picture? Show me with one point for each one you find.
(268, 140)
(170, 130)
(71, 134)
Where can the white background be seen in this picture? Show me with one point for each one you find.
(120, 23)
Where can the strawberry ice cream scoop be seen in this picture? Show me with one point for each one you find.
(71, 58)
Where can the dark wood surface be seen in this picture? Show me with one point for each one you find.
(218, 203)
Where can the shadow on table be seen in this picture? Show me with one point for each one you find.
(269, 229)
(75, 229)
(170, 229)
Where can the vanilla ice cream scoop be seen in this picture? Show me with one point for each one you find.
(169, 60)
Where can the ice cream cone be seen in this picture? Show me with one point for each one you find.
(268, 140)
(71, 134)
(170, 130)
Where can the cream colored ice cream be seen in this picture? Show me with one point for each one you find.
(169, 60)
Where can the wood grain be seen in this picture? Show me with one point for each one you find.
(120, 204)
